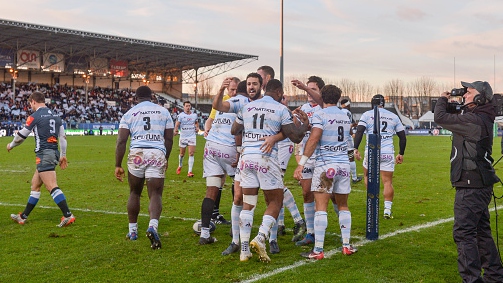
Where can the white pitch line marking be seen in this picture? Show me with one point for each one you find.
(294, 265)
(330, 253)
(99, 211)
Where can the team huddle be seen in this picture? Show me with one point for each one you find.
(250, 137)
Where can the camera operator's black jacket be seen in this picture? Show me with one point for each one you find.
(471, 161)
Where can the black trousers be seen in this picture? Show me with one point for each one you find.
(472, 235)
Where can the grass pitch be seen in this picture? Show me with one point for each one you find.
(415, 246)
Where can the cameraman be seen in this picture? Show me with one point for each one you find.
(473, 177)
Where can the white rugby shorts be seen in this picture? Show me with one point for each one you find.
(258, 171)
(184, 142)
(147, 163)
(331, 178)
(285, 151)
(218, 159)
(387, 162)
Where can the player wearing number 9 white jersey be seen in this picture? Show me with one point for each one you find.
(330, 127)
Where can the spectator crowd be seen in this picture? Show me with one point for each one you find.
(104, 105)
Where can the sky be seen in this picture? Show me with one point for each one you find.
(361, 40)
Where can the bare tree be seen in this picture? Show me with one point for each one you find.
(295, 93)
(394, 89)
(348, 88)
(363, 91)
(422, 89)
(205, 88)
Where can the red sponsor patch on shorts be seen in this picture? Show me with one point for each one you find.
(37, 160)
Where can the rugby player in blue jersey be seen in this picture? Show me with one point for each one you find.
(48, 131)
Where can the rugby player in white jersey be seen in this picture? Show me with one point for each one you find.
(390, 125)
(151, 130)
(233, 105)
(285, 150)
(188, 126)
(313, 86)
(220, 159)
(231, 87)
(260, 118)
(346, 107)
(331, 175)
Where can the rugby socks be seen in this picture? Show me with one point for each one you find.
(32, 202)
(245, 227)
(206, 209)
(309, 214)
(267, 223)
(154, 223)
(320, 225)
(281, 217)
(387, 204)
(345, 224)
(352, 168)
(235, 211)
(191, 163)
(216, 207)
(232, 188)
(273, 231)
(133, 228)
(180, 160)
(60, 200)
(289, 203)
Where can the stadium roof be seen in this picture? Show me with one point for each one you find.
(141, 55)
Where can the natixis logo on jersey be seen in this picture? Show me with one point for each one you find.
(331, 121)
(261, 109)
(146, 112)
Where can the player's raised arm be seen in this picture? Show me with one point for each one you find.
(218, 102)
